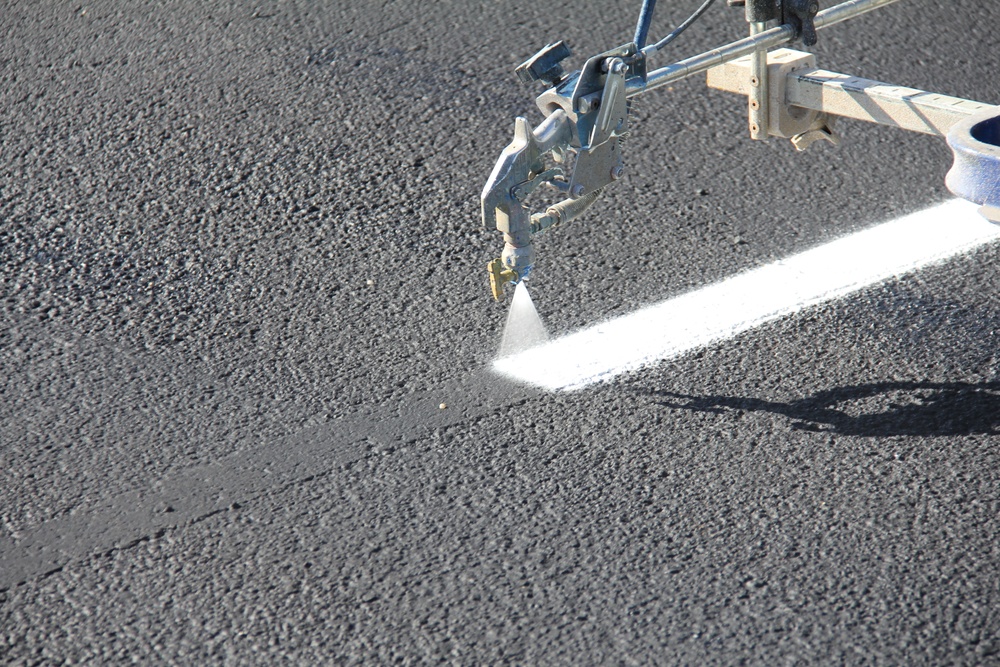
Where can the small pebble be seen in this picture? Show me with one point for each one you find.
(369, 282)
(443, 406)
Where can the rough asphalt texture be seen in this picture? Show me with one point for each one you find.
(241, 266)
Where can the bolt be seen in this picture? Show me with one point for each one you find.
(754, 81)
(616, 172)
(577, 191)
(588, 104)
(754, 104)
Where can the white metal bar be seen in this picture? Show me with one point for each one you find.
(877, 102)
(847, 96)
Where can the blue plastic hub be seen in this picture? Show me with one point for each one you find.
(975, 175)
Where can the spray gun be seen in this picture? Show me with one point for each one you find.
(577, 149)
(586, 118)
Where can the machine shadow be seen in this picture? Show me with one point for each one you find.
(882, 409)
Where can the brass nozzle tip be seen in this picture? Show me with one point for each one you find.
(499, 276)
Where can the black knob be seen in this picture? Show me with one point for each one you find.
(800, 13)
(544, 65)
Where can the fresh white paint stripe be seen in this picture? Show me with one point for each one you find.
(722, 310)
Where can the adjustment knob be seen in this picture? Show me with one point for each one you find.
(800, 13)
(544, 65)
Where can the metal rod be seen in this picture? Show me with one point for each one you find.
(642, 27)
(766, 40)
(757, 99)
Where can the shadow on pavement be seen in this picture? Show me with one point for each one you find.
(883, 409)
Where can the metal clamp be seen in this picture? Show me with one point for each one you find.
(802, 125)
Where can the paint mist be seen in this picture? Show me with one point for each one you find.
(524, 328)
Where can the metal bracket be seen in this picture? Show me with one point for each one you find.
(783, 119)
(592, 91)
(602, 116)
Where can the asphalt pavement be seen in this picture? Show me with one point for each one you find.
(242, 269)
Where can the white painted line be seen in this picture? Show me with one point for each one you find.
(722, 310)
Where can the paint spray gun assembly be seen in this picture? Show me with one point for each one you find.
(577, 149)
(587, 115)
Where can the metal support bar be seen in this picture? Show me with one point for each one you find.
(877, 102)
(809, 88)
(768, 39)
(757, 99)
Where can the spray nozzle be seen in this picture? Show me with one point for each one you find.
(499, 276)
(512, 266)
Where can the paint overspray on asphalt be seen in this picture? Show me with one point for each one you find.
(524, 328)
